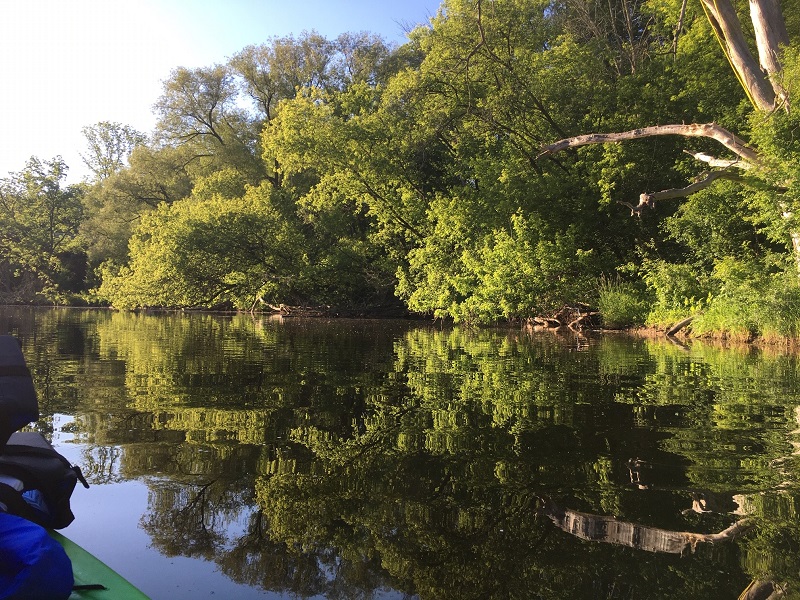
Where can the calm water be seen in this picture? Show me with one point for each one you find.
(239, 457)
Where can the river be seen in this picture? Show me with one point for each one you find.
(233, 456)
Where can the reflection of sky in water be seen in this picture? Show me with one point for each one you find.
(107, 524)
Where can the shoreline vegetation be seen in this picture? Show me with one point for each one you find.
(508, 160)
(583, 321)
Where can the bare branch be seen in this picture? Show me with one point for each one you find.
(707, 130)
(713, 161)
(649, 200)
(699, 184)
(678, 29)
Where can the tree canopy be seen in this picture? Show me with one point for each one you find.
(507, 160)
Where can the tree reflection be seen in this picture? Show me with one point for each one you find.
(341, 459)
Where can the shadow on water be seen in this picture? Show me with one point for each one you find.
(360, 459)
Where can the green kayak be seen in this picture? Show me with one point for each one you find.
(95, 580)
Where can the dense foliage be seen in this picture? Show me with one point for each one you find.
(362, 174)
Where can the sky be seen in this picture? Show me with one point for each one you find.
(67, 64)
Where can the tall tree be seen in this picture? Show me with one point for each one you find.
(278, 70)
(115, 205)
(362, 57)
(42, 258)
(200, 110)
(109, 145)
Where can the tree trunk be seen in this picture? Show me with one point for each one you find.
(770, 35)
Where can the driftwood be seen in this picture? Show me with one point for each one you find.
(679, 325)
(299, 311)
(386, 310)
(577, 317)
(762, 590)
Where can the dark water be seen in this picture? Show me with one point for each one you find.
(239, 457)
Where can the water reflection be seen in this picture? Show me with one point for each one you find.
(372, 459)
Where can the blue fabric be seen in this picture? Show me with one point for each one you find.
(33, 566)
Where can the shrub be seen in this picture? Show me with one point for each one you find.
(677, 290)
(622, 304)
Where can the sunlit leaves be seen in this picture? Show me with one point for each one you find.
(108, 147)
(209, 252)
(39, 221)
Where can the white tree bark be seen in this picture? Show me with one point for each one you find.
(771, 38)
(760, 79)
(707, 130)
(725, 22)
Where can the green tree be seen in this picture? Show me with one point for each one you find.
(212, 251)
(42, 257)
(109, 145)
(279, 69)
(115, 205)
(754, 225)
(199, 110)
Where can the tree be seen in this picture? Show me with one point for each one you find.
(109, 147)
(278, 70)
(287, 67)
(761, 80)
(362, 57)
(746, 285)
(198, 104)
(764, 83)
(115, 205)
(200, 110)
(231, 246)
(39, 220)
(215, 251)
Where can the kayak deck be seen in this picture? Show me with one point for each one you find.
(99, 581)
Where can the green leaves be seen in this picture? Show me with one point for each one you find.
(109, 147)
(511, 274)
(40, 255)
(362, 173)
(212, 251)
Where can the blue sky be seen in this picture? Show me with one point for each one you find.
(65, 64)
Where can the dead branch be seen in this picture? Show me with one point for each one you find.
(649, 200)
(678, 326)
(584, 321)
(706, 130)
(699, 184)
(678, 29)
(713, 161)
(760, 589)
(546, 322)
